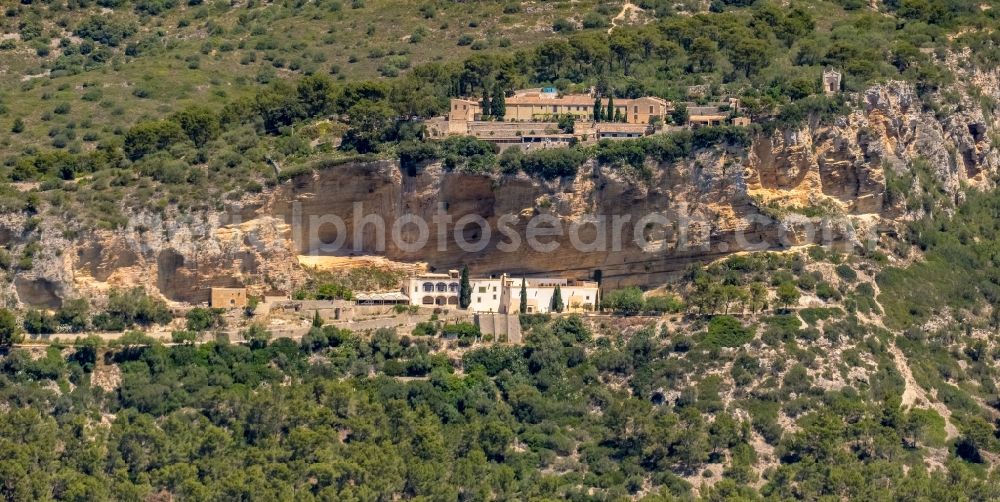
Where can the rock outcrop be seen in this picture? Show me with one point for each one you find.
(718, 201)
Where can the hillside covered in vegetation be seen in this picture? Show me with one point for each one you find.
(167, 95)
(865, 370)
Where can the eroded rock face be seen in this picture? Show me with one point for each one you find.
(709, 189)
(38, 292)
(178, 258)
(725, 199)
(847, 161)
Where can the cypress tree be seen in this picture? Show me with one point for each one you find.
(498, 107)
(598, 113)
(484, 105)
(557, 303)
(465, 289)
(610, 114)
(317, 320)
(524, 297)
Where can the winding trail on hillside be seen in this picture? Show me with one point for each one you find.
(628, 7)
(913, 393)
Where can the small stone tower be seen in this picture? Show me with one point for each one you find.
(831, 81)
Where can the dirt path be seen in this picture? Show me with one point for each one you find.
(626, 9)
(915, 395)
(912, 391)
(766, 458)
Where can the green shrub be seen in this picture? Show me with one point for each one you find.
(74, 314)
(154, 7)
(825, 291)
(727, 331)
(553, 163)
(107, 30)
(660, 304)
(595, 20)
(468, 154)
(845, 272)
(425, 329)
(461, 330)
(788, 294)
(863, 300)
(204, 319)
(184, 337)
(813, 315)
(405, 309)
(314, 290)
(414, 153)
(495, 359)
(130, 308)
(563, 25)
(781, 328)
(627, 301)
(37, 322)
(148, 137)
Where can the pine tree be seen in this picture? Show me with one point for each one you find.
(598, 113)
(557, 302)
(10, 332)
(524, 297)
(465, 289)
(498, 107)
(610, 114)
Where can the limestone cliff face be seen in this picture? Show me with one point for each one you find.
(708, 190)
(177, 258)
(715, 202)
(846, 162)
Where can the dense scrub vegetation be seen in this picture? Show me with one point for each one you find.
(741, 392)
(123, 310)
(958, 275)
(255, 102)
(573, 414)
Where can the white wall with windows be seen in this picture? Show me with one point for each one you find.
(487, 295)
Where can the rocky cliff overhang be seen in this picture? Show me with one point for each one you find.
(790, 187)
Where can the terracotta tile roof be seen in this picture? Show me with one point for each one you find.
(575, 100)
(568, 100)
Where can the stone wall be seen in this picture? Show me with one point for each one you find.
(503, 328)
(228, 298)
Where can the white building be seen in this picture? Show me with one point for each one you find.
(489, 295)
(577, 296)
(433, 289)
(503, 294)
